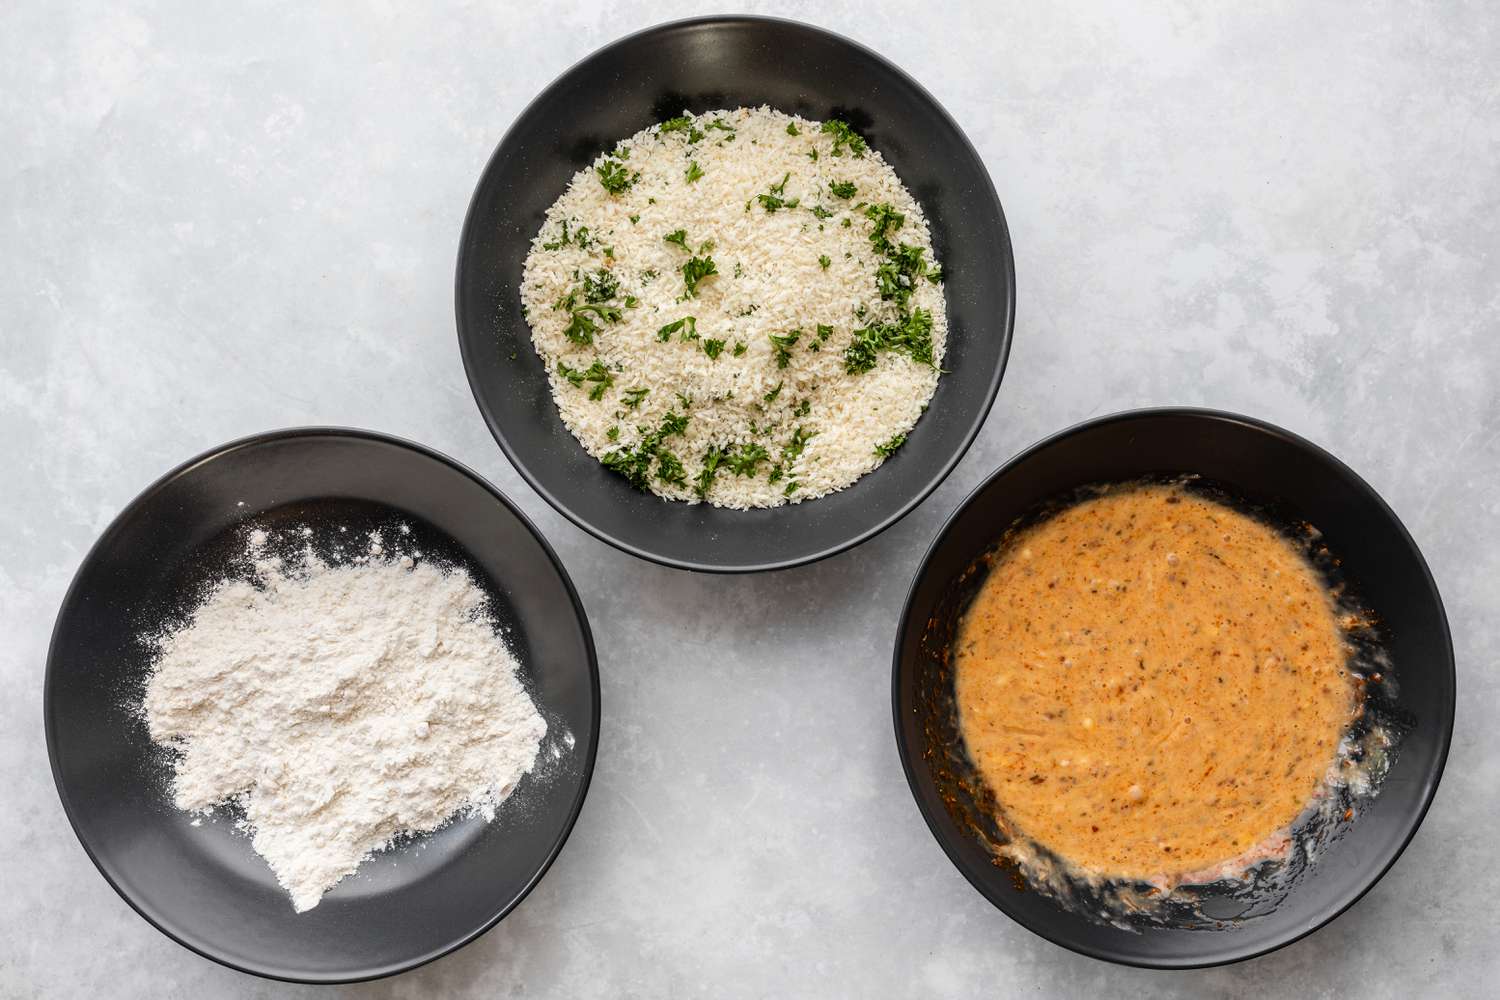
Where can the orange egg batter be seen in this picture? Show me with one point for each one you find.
(1152, 683)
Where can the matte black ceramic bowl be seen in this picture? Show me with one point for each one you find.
(203, 885)
(701, 65)
(1284, 478)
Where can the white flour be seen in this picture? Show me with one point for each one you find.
(341, 706)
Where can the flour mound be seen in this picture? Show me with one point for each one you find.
(341, 706)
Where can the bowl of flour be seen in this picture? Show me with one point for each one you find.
(322, 705)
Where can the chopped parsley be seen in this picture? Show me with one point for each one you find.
(595, 373)
(776, 198)
(792, 129)
(632, 397)
(820, 213)
(581, 328)
(684, 125)
(802, 408)
(613, 433)
(601, 286)
(688, 325)
(844, 136)
(842, 189)
(744, 461)
(797, 445)
(635, 463)
(705, 479)
(782, 346)
(886, 221)
(634, 219)
(793, 450)
(579, 237)
(911, 335)
(888, 448)
(669, 468)
(823, 261)
(897, 276)
(694, 171)
(694, 271)
(614, 177)
(678, 236)
(770, 397)
(713, 348)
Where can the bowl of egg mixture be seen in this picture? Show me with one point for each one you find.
(1173, 688)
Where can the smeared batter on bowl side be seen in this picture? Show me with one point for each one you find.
(1152, 684)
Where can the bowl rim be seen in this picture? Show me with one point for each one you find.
(265, 437)
(1445, 649)
(1006, 333)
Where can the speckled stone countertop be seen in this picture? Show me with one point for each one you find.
(215, 224)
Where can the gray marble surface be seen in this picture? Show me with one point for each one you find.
(215, 224)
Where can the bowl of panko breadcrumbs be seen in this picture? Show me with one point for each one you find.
(735, 294)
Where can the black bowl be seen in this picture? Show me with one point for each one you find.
(203, 885)
(1284, 477)
(700, 65)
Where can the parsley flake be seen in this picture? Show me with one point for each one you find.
(911, 335)
(705, 479)
(694, 271)
(614, 177)
(682, 124)
(688, 325)
(669, 468)
(782, 346)
(888, 448)
(844, 136)
(775, 198)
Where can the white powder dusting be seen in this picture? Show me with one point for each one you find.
(806, 271)
(341, 706)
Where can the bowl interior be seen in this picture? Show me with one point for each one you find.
(1263, 466)
(203, 884)
(702, 65)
